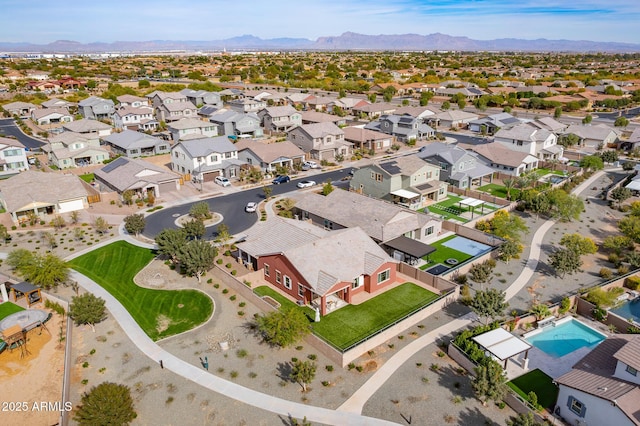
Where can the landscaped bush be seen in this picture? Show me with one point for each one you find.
(219, 261)
(605, 273)
(465, 344)
(633, 282)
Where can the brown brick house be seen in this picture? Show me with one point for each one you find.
(322, 268)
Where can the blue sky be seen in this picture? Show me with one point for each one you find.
(40, 21)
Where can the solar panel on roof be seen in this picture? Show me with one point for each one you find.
(114, 164)
(406, 119)
(391, 167)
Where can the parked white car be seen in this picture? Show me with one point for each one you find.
(251, 207)
(306, 183)
(222, 181)
(310, 165)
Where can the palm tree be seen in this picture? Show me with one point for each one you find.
(509, 184)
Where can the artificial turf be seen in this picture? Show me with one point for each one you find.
(499, 191)
(538, 382)
(443, 253)
(8, 308)
(160, 313)
(350, 324)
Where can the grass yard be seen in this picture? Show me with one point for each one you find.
(542, 171)
(499, 191)
(8, 308)
(265, 290)
(443, 253)
(87, 177)
(160, 313)
(352, 323)
(538, 382)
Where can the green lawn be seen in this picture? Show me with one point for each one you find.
(499, 191)
(265, 290)
(542, 171)
(443, 253)
(538, 382)
(160, 313)
(352, 323)
(87, 177)
(8, 308)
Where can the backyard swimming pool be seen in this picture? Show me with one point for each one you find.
(629, 310)
(563, 337)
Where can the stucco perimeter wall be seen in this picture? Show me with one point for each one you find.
(460, 358)
(400, 327)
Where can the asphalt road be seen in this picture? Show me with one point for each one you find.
(8, 128)
(231, 206)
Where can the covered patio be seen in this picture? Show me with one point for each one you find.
(30, 292)
(471, 203)
(407, 198)
(408, 250)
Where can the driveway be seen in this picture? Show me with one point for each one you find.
(9, 128)
(231, 206)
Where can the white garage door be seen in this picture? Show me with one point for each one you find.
(69, 206)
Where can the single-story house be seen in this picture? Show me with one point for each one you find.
(593, 135)
(137, 175)
(48, 116)
(42, 194)
(90, 127)
(135, 144)
(268, 156)
(21, 109)
(366, 139)
(317, 267)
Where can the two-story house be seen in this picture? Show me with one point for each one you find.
(206, 158)
(176, 111)
(269, 156)
(136, 144)
(502, 159)
(135, 118)
(371, 111)
(322, 141)
(191, 128)
(203, 97)
(70, 149)
(132, 101)
(280, 119)
(492, 123)
(408, 181)
(96, 108)
(457, 166)
(234, 123)
(404, 128)
(13, 157)
(533, 140)
(603, 388)
(247, 105)
(344, 264)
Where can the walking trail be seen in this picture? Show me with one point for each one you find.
(349, 412)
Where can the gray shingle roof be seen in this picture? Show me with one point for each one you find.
(31, 187)
(85, 125)
(11, 142)
(202, 147)
(320, 130)
(281, 111)
(129, 139)
(279, 235)
(524, 132)
(268, 152)
(380, 220)
(128, 173)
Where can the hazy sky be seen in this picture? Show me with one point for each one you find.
(40, 21)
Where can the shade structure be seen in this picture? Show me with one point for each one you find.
(502, 344)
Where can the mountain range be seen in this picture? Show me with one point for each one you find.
(345, 41)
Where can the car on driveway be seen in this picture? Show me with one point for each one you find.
(281, 179)
(223, 181)
(251, 207)
(310, 165)
(306, 183)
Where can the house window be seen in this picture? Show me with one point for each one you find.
(631, 370)
(266, 270)
(384, 276)
(576, 406)
(228, 155)
(287, 282)
(300, 290)
(278, 277)
(213, 158)
(428, 231)
(376, 176)
(519, 143)
(429, 175)
(441, 191)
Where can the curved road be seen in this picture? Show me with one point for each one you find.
(8, 127)
(231, 206)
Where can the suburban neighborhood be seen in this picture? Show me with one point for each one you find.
(321, 238)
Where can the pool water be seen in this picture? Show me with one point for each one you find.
(629, 310)
(563, 338)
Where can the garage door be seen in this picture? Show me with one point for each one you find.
(69, 206)
(166, 187)
(209, 177)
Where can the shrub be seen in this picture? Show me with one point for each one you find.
(359, 368)
(633, 282)
(85, 364)
(623, 269)
(241, 313)
(242, 304)
(565, 305)
(234, 272)
(614, 258)
(325, 383)
(329, 368)
(253, 375)
(228, 266)
(241, 353)
(233, 374)
(605, 273)
(434, 367)
(232, 298)
(312, 357)
(216, 285)
(225, 290)
(219, 261)
(351, 366)
(209, 281)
